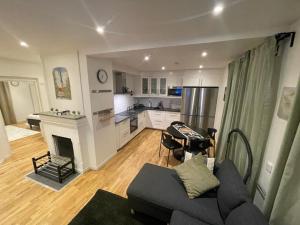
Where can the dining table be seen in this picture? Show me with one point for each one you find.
(176, 132)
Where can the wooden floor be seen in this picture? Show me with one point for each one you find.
(25, 202)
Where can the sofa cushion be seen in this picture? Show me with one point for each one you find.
(246, 214)
(157, 191)
(232, 191)
(180, 218)
(196, 177)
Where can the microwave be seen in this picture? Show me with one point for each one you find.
(175, 91)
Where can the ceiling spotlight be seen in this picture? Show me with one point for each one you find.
(100, 30)
(218, 9)
(146, 58)
(163, 68)
(201, 66)
(24, 44)
(204, 54)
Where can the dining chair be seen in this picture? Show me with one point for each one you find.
(199, 145)
(177, 122)
(168, 142)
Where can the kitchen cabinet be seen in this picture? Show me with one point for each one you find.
(122, 133)
(162, 119)
(154, 86)
(145, 85)
(163, 86)
(142, 121)
(156, 119)
(151, 118)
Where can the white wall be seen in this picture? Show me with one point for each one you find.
(14, 68)
(101, 134)
(71, 63)
(4, 145)
(22, 101)
(290, 71)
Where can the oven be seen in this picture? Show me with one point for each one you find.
(133, 123)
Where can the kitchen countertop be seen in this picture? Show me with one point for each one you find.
(126, 114)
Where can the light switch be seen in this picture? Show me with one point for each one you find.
(269, 167)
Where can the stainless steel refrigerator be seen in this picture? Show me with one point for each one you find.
(198, 106)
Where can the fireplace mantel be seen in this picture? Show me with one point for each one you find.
(75, 129)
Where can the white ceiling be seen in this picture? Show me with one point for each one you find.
(54, 26)
(183, 57)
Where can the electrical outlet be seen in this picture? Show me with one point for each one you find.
(269, 167)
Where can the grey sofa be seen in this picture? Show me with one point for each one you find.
(158, 192)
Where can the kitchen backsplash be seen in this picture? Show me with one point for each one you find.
(167, 102)
(121, 102)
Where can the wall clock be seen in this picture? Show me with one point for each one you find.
(102, 76)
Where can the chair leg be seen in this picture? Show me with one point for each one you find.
(159, 150)
(168, 158)
(160, 145)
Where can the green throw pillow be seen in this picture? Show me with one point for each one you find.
(196, 177)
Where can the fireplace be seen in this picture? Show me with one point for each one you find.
(63, 146)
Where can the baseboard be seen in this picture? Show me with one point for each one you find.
(5, 158)
(102, 163)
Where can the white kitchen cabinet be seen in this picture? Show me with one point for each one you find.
(151, 118)
(142, 121)
(156, 119)
(162, 119)
(170, 117)
(162, 86)
(154, 86)
(145, 85)
(122, 133)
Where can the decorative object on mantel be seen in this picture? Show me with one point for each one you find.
(15, 83)
(100, 91)
(286, 102)
(102, 76)
(63, 114)
(104, 114)
(62, 83)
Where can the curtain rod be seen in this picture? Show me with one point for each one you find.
(282, 36)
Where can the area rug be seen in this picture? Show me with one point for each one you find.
(15, 133)
(106, 208)
(51, 184)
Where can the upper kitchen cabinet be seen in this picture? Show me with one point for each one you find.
(145, 85)
(163, 86)
(154, 86)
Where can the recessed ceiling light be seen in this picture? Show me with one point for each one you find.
(218, 9)
(147, 57)
(204, 54)
(100, 30)
(201, 66)
(163, 68)
(24, 44)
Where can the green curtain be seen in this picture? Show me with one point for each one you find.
(282, 204)
(249, 105)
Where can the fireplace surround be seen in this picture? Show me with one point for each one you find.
(67, 137)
